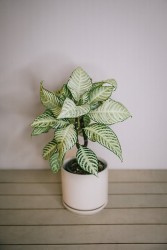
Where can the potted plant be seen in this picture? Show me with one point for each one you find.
(81, 109)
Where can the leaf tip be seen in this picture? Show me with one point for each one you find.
(96, 174)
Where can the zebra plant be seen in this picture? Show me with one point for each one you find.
(79, 108)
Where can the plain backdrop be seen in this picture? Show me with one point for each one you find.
(121, 39)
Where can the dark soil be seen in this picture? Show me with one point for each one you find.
(73, 167)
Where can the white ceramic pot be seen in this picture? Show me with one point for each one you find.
(85, 194)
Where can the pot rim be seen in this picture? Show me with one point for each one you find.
(71, 158)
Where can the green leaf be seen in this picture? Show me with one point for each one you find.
(40, 130)
(49, 149)
(44, 120)
(48, 98)
(100, 94)
(105, 136)
(79, 83)
(70, 110)
(65, 138)
(87, 160)
(109, 112)
(55, 162)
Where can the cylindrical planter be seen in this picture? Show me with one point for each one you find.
(85, 194)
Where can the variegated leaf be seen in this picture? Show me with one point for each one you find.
(44, 120)
(63, 93)
(95, 105)
(60, 124)
(84, 98)
(96, 84)
(79, 83)
(40, 130)
(56, 110)
(100, 94)
(48, 98)
(55, 162)
(109, 112)
(70, 110)
(105, 136)
(66, 92)
(87, 160)
(49, 149)
(86, 120)
(110, 82)
(65, 138)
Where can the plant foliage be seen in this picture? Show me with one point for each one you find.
(80, 107)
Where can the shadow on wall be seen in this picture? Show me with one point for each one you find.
(19, 105)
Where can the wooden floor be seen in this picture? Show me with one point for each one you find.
(32, 216)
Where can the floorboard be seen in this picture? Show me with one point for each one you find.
(32, 216)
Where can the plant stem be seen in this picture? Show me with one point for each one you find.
(79, 124)
(76, 128)
(83, 131)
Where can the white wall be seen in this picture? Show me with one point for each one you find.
(121, 39)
